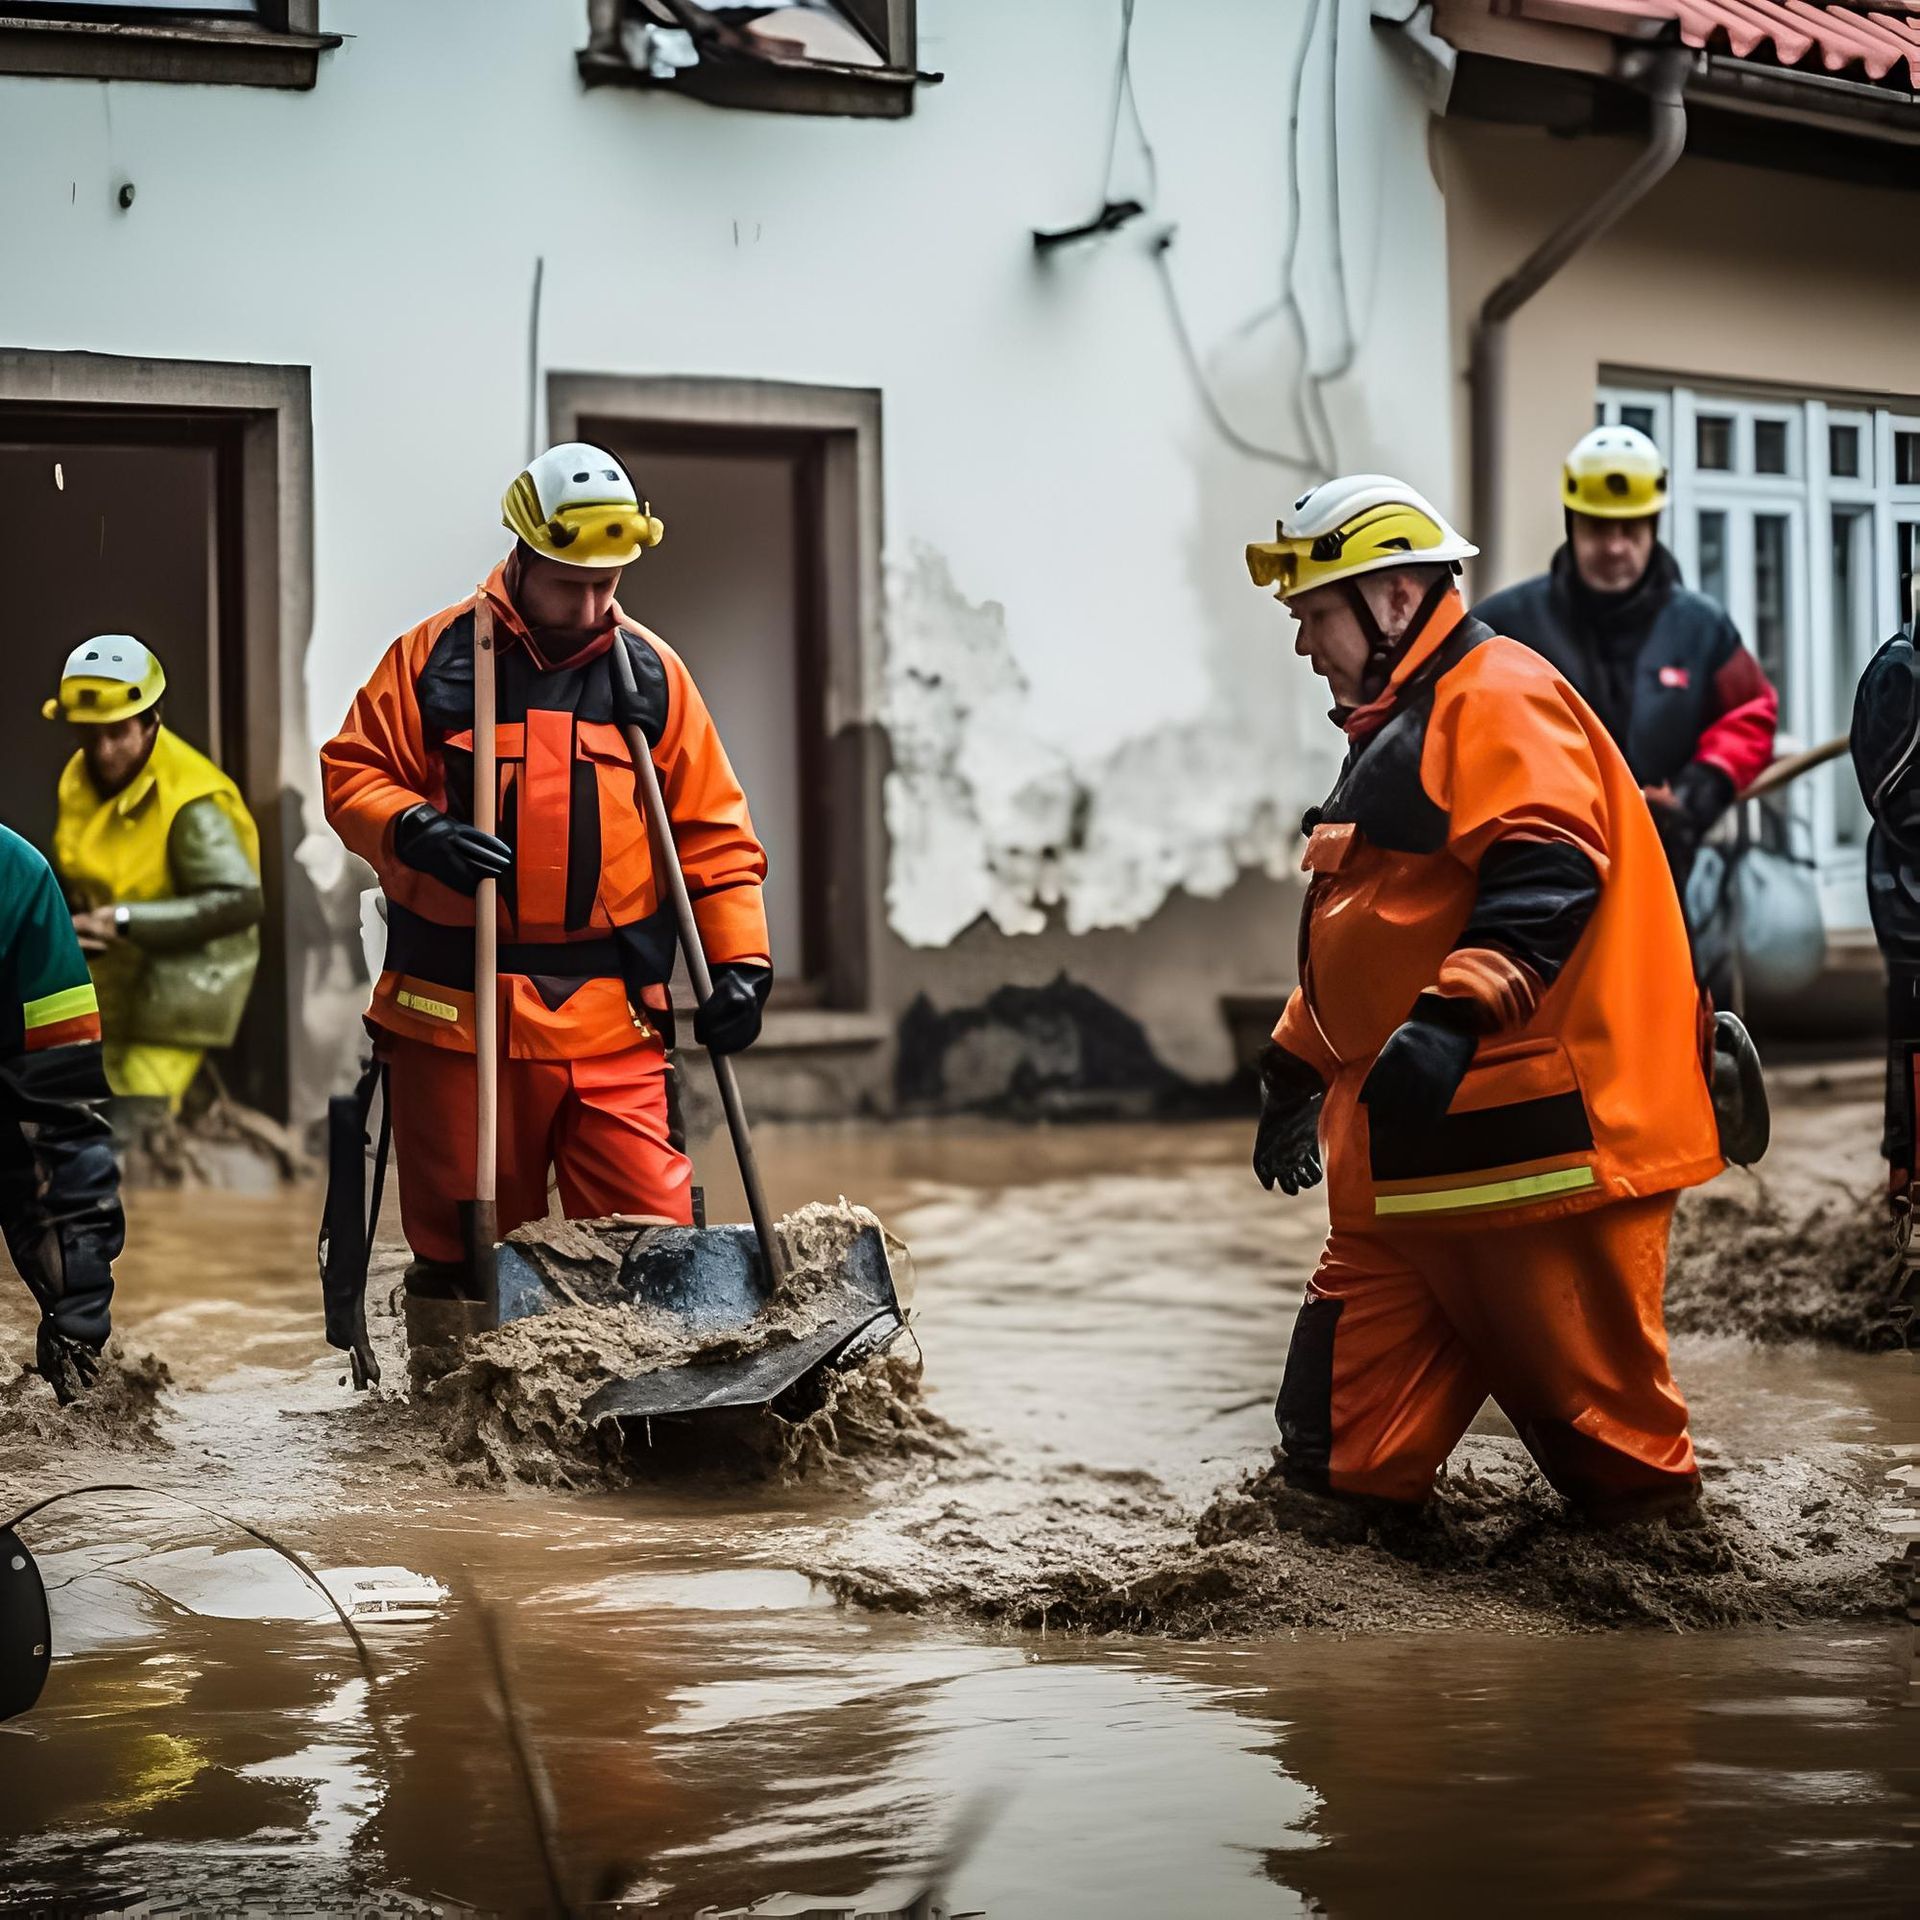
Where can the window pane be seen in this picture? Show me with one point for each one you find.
(1639, 418)
(1852, 641)
(1599, 413)
(1769, 446)
(1906, 459)
(1843, 452)
(1713, 443)
(1713, 556)
(1770, 594)
(1906, 540)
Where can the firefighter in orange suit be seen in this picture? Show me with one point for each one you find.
(586, 931)
(1497, 1044)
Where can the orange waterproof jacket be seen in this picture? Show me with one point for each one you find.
(1486, 840)
(586, 933)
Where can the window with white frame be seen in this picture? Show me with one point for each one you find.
(1802, 518)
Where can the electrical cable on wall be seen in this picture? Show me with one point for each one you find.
(1209, 401)
(533, 358)
(1113, 214)
(1309, 402)
(1349, 338)
(1123, 94)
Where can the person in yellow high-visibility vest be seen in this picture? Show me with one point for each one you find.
(160, 861)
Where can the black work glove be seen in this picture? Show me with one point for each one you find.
(1700, 795)
(1703, 792)
(449, 850)
(1419, 1070)
(646, 706)
(728, 1020)
(68, 1365)
(1286, 1149)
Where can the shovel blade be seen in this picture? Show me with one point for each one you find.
(714, 1279)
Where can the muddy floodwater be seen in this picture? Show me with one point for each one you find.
(656, 1694)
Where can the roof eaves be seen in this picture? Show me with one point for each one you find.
(1794, 35)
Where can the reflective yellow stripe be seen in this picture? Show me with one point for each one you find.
(68, 1004)
(421, 1004)
(1499, 1193)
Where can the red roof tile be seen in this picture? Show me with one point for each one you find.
(1796, 33)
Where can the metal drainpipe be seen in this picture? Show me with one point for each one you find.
(1666, 139)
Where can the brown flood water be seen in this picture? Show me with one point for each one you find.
(710, 1728)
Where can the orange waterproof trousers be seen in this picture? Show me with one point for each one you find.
(1404, 1335)
(599, 1123)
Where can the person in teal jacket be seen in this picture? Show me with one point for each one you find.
(59, 1185)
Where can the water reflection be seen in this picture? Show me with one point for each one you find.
(711, 1731)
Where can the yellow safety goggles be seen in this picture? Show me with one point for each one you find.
(1274, 563)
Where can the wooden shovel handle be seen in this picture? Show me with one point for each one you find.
(1781, 772)
(666, 864)
(486, 926)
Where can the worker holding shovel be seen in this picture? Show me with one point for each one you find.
(1497, 1044)
(584, 922)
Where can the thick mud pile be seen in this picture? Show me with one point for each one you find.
(122, 1413)
(1495, 1549)
(1744, 1264)
(515, 1407)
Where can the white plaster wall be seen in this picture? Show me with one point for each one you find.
(1091, 705)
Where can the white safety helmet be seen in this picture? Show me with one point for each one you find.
(1361, 523)
(575, 504)
(108, 678)
(1614, 473)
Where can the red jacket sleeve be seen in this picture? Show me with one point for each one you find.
(1739, 738)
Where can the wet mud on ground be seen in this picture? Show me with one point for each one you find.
(1057, 1561)
(515, 1406)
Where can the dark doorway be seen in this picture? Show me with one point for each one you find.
(128, 520)
(736, 589)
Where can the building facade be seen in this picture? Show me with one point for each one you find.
(1750, 308)
(955, 493)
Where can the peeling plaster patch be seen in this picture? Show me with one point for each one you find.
(987, 817)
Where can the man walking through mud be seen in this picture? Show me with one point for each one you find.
(586, 932)
(1496, 1042)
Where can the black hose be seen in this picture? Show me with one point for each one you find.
(213, 1513)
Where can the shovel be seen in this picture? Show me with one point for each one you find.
(438, 1316)
(480, 1216)
(714, 1280)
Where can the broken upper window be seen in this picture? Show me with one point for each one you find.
(807, 56)
(247, 43)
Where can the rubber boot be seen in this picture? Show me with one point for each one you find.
(441, 1316)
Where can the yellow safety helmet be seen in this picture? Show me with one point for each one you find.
(575, 504)
(1363, 523)
(107, 678)
(1614, 473)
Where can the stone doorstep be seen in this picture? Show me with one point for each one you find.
(805, 1029)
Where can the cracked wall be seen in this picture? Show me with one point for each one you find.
(1095, 729)
(988, 816)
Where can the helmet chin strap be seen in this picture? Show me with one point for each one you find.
(1383, 653)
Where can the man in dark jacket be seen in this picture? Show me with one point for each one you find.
(1662, 666)
(1886, 759)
